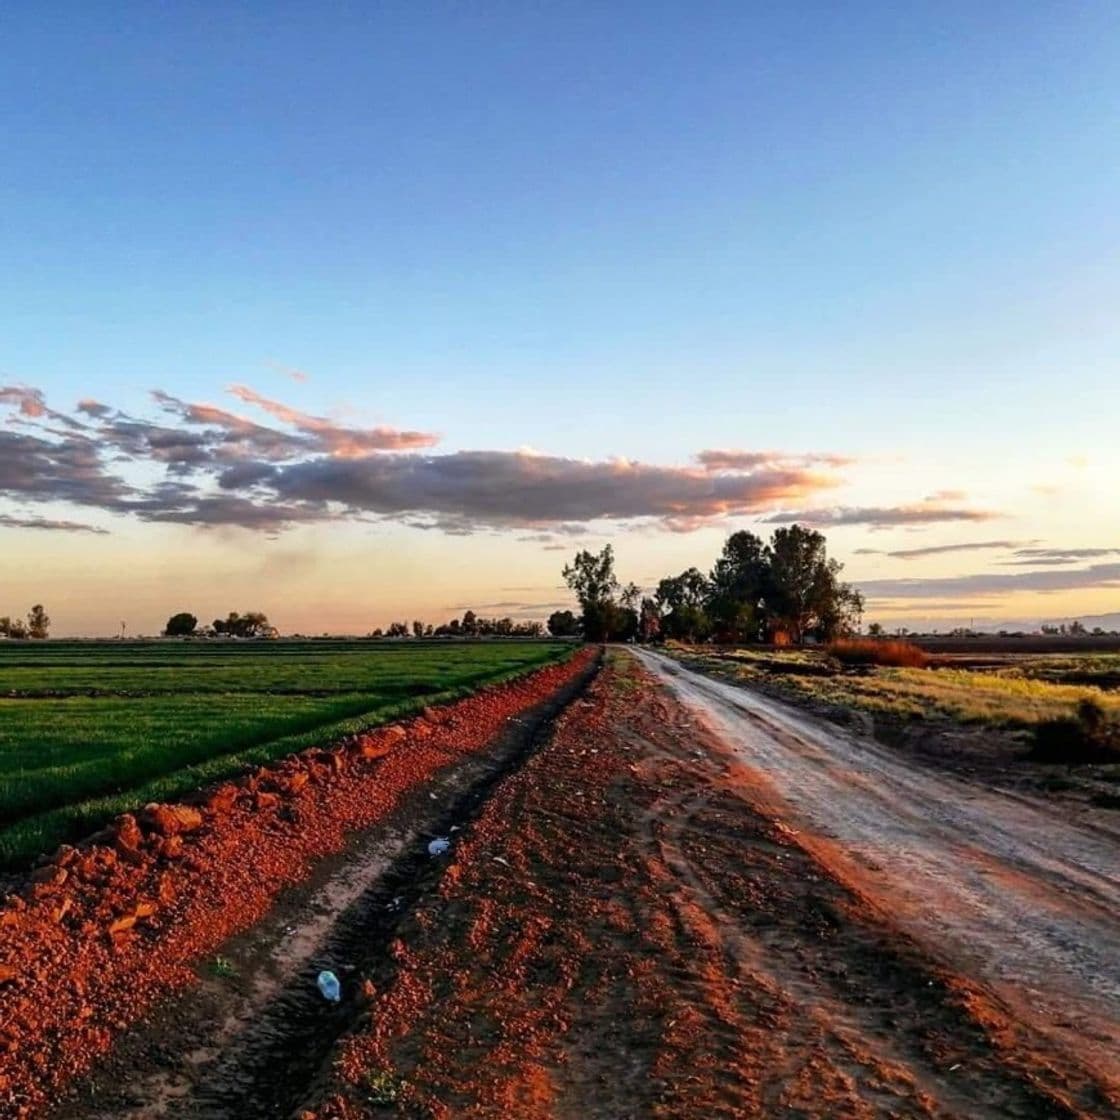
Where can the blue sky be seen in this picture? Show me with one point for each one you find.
(596, 231)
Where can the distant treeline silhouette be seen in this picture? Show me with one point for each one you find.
(784, 591)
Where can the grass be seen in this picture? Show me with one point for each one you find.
(89, 730)
(1101, 670)
(1007, 696)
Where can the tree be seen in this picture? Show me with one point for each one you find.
(631, 596)
(12, 628)
(417, 628)
(38, 622)
(683, 597)
(563, 624)
(649, 621)
(840, 612)
(622, 625)
(180, 625)
(251, 624)
(591, 576)
(804, 594)
(875, 630)
(470, 623)
(737, 587)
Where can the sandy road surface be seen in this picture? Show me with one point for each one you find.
(1003, 890)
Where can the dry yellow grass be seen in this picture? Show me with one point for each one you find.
(970, 696)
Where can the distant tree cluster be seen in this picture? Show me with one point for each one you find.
(469, 626)
(1075, 629)
(37, 626)
(784, 591)
(251, 624)
(563, 624)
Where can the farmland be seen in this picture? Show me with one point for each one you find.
(92, 729)
(656, 892)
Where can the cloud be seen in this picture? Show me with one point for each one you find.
(298, 375)
(92, 408)
(346, 443)
(500, 489)
(882, 517)
(993, 583)
(206, 465)
(937, 549)
(206, 509)
(735, 460)
(29, 401)
(1040, 557)
(969, 605)
(946, 496)
(68, 469)
(53, 524)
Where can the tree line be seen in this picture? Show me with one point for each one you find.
(786, 591)
(251, 624)
(37, 626)
(470, 625)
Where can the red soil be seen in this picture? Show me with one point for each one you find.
(621, 934)
(103, 931)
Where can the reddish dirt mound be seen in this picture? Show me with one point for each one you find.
(622, 934)
(102, 931)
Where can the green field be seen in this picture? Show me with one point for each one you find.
(92, 729)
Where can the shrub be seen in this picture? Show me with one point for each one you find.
(1090, 735)
(873, 651)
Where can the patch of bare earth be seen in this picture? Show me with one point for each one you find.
(624, 933)
(105, 934)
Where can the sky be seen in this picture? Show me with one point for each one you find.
(381, 311)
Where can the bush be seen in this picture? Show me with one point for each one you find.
(874, 651)
(1089, 736)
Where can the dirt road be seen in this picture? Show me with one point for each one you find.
(1003, 889)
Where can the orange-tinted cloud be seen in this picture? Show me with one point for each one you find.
(29, 401)
(345, 443)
